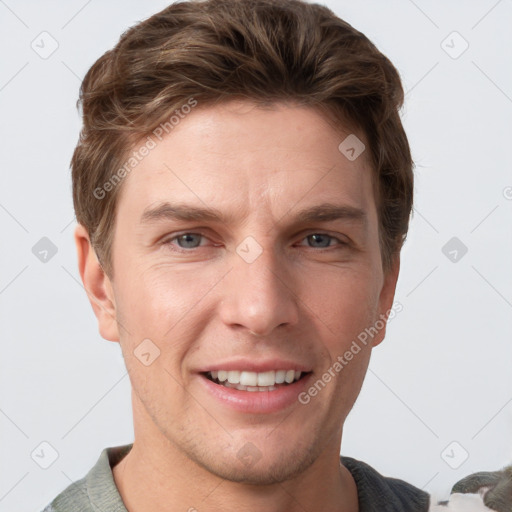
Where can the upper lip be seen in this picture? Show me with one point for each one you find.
(252, 365)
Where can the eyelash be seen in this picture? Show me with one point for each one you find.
(182, 250)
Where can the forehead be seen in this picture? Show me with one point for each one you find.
(252, 159)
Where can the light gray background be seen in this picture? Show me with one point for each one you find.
(443, 374)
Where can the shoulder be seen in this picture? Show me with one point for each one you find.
(384, 494)
(73, 497)
(96, 490)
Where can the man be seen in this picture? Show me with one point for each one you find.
(243, 186)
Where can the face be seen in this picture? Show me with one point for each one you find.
(280, 276)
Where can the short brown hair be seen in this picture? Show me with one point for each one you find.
(219, 50)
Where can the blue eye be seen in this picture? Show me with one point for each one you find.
(185, 238)
(321, 238)
(186, 242)
(324, 239)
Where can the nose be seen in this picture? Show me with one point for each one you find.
(259, 295)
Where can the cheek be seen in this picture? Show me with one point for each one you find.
(158, 295)
(345, 300)
(346, 306)
(158, 312)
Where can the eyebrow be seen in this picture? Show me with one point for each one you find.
(324, 212)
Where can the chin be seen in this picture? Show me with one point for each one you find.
(258, 471)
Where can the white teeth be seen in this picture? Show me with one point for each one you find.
(267, 378)
(234, 377)
(255, 380)
(280, 376)
(249, 388)
(248, 378)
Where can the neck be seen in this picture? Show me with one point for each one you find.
(145, 483)
(157, 475)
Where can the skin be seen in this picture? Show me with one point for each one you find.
(304, 298)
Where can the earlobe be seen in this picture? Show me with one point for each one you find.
(387, 295)
(97, 285)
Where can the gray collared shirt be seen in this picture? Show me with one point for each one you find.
(97, 491)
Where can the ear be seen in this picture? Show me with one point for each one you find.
(97, 285)
(386, 297)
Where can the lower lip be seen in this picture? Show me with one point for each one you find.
(257, 402)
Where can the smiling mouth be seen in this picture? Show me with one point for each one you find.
(253, 381)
